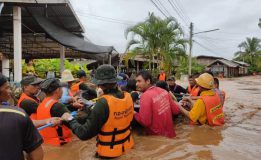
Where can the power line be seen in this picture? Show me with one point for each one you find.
(166, 11)
(104, 20)
(216, 46)
(177, 11)
(233, 33)
(158, 8)
(206, 48)
(183, 10)
(218, 39)
(108, 19)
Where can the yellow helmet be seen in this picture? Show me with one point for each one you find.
(205, 80)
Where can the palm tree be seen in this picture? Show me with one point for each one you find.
(156, 37)
(250, 50)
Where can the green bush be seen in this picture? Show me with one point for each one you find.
(44, 65)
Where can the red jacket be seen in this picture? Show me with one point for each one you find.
(156, 110)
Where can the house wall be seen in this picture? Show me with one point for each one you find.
(219, 69)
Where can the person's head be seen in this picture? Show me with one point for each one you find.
(67, 77)
(163, 85)
(29, 61)
(216, 83)
(192, 81)
(205, 82)
(131, 85)
(105, 77)
(5, 91)
(144, 81)
(52, 87)
(30, 85)
(171, 81)
(82, 75)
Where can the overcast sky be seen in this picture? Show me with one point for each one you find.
(106, 20)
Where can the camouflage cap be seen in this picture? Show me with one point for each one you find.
(105, 74)
(49, 85)
(30, 80)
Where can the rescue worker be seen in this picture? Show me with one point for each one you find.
(110, 118)
(208, 108)
(156, 107)
(50, 107)
(193, 89)
(81, 86)
(162, 76)
(17, 132)
(28, 99)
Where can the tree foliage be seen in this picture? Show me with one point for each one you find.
(250, 52)
(158, 38)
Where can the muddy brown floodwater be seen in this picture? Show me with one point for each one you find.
(239, 138)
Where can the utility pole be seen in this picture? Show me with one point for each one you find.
(191, 34)
(190, 46)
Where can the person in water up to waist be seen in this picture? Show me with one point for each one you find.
(156, 107)
(208, 108)
(50, 107)
(29, 101)
(17, 132)
(109, 119)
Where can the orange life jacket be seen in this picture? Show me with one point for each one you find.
(193, 91)
(75, 88)
(214, 110)
(115, 136)
(50, 134)
(26, 97)
(162, 77)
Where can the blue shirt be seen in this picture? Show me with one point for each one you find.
(65, 96)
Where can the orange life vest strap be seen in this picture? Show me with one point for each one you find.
(114, 142)
(115, 132)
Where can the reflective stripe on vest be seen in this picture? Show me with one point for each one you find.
(25, 97)
(214, 110)
(115, 136)
(193, 91)
(50, 134)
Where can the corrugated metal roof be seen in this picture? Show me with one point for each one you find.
(60, 13)
(242, 63)
(225, 62)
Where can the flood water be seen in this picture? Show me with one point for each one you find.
(239, 138)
